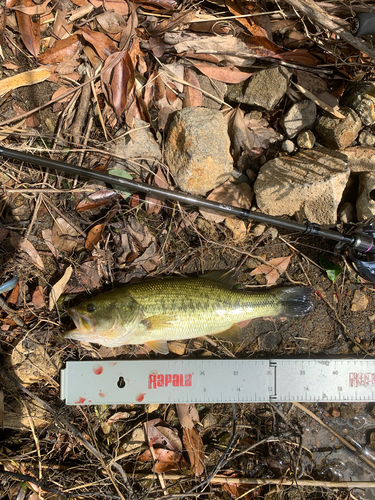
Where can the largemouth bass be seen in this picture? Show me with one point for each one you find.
(154, 312)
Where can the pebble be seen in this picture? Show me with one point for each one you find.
(300, 116)
(306, 139)
(337, 133)
(197, 150)
(365, 138)
(360, 302)
(288, 146)
(309, 184)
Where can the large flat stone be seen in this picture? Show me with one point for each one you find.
(308, 185)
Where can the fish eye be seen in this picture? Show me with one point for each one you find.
(90, 308)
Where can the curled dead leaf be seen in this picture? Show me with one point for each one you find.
(279, 266)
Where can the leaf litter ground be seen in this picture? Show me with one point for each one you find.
(67, 239)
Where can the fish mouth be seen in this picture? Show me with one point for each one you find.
(85, 326)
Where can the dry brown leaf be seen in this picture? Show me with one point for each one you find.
(247, 134)
(97, 199)
(94, 236)
(154, 205)
(25, 246)
(165, 459)
(246, 21)
(101, 42)
(193, 96)
(62, 48)
(9, 65)
(24, 79)
(194, 446)
(30, 9)
(29, 29)
(111, 22)
(165, 4)
(118, 6)
(175, 21)
(37, 298)
(58, 288)
(281, 264)
(238, 195)
(219, 47)
(64, 236)
(227, 74)
(89, 277)
(187, 415)
(237, 490)
(118, 82)
(300, 56)
(163, 435)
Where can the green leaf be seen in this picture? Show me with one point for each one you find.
(333, 270)
(118, 172)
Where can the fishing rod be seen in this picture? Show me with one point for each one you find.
(361, 238)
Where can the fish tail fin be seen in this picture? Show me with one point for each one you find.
(295, 300)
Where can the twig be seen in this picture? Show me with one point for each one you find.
(264, 482)
(346, 443)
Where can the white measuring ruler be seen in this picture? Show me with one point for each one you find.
(218, 381)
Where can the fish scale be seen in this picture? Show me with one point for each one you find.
(153, 312)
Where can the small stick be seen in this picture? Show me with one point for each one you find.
(152, 451)
(278, 482)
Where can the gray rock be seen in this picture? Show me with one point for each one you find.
(366, 138)
(288, 146)
(264, 89)
(306, 139)
(308, 185)
(366, 196)
(361, 159)
(197, 150)
(300, 116)
(337, 133)
(361, 97)
(213, 87)
(346, 212)
(138, 144)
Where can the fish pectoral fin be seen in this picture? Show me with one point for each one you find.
(159, 346)
(233, 334)
(158, 321)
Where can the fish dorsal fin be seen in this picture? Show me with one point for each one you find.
(159, 346)
(158, 321)
(233, 334)
(227, 277)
